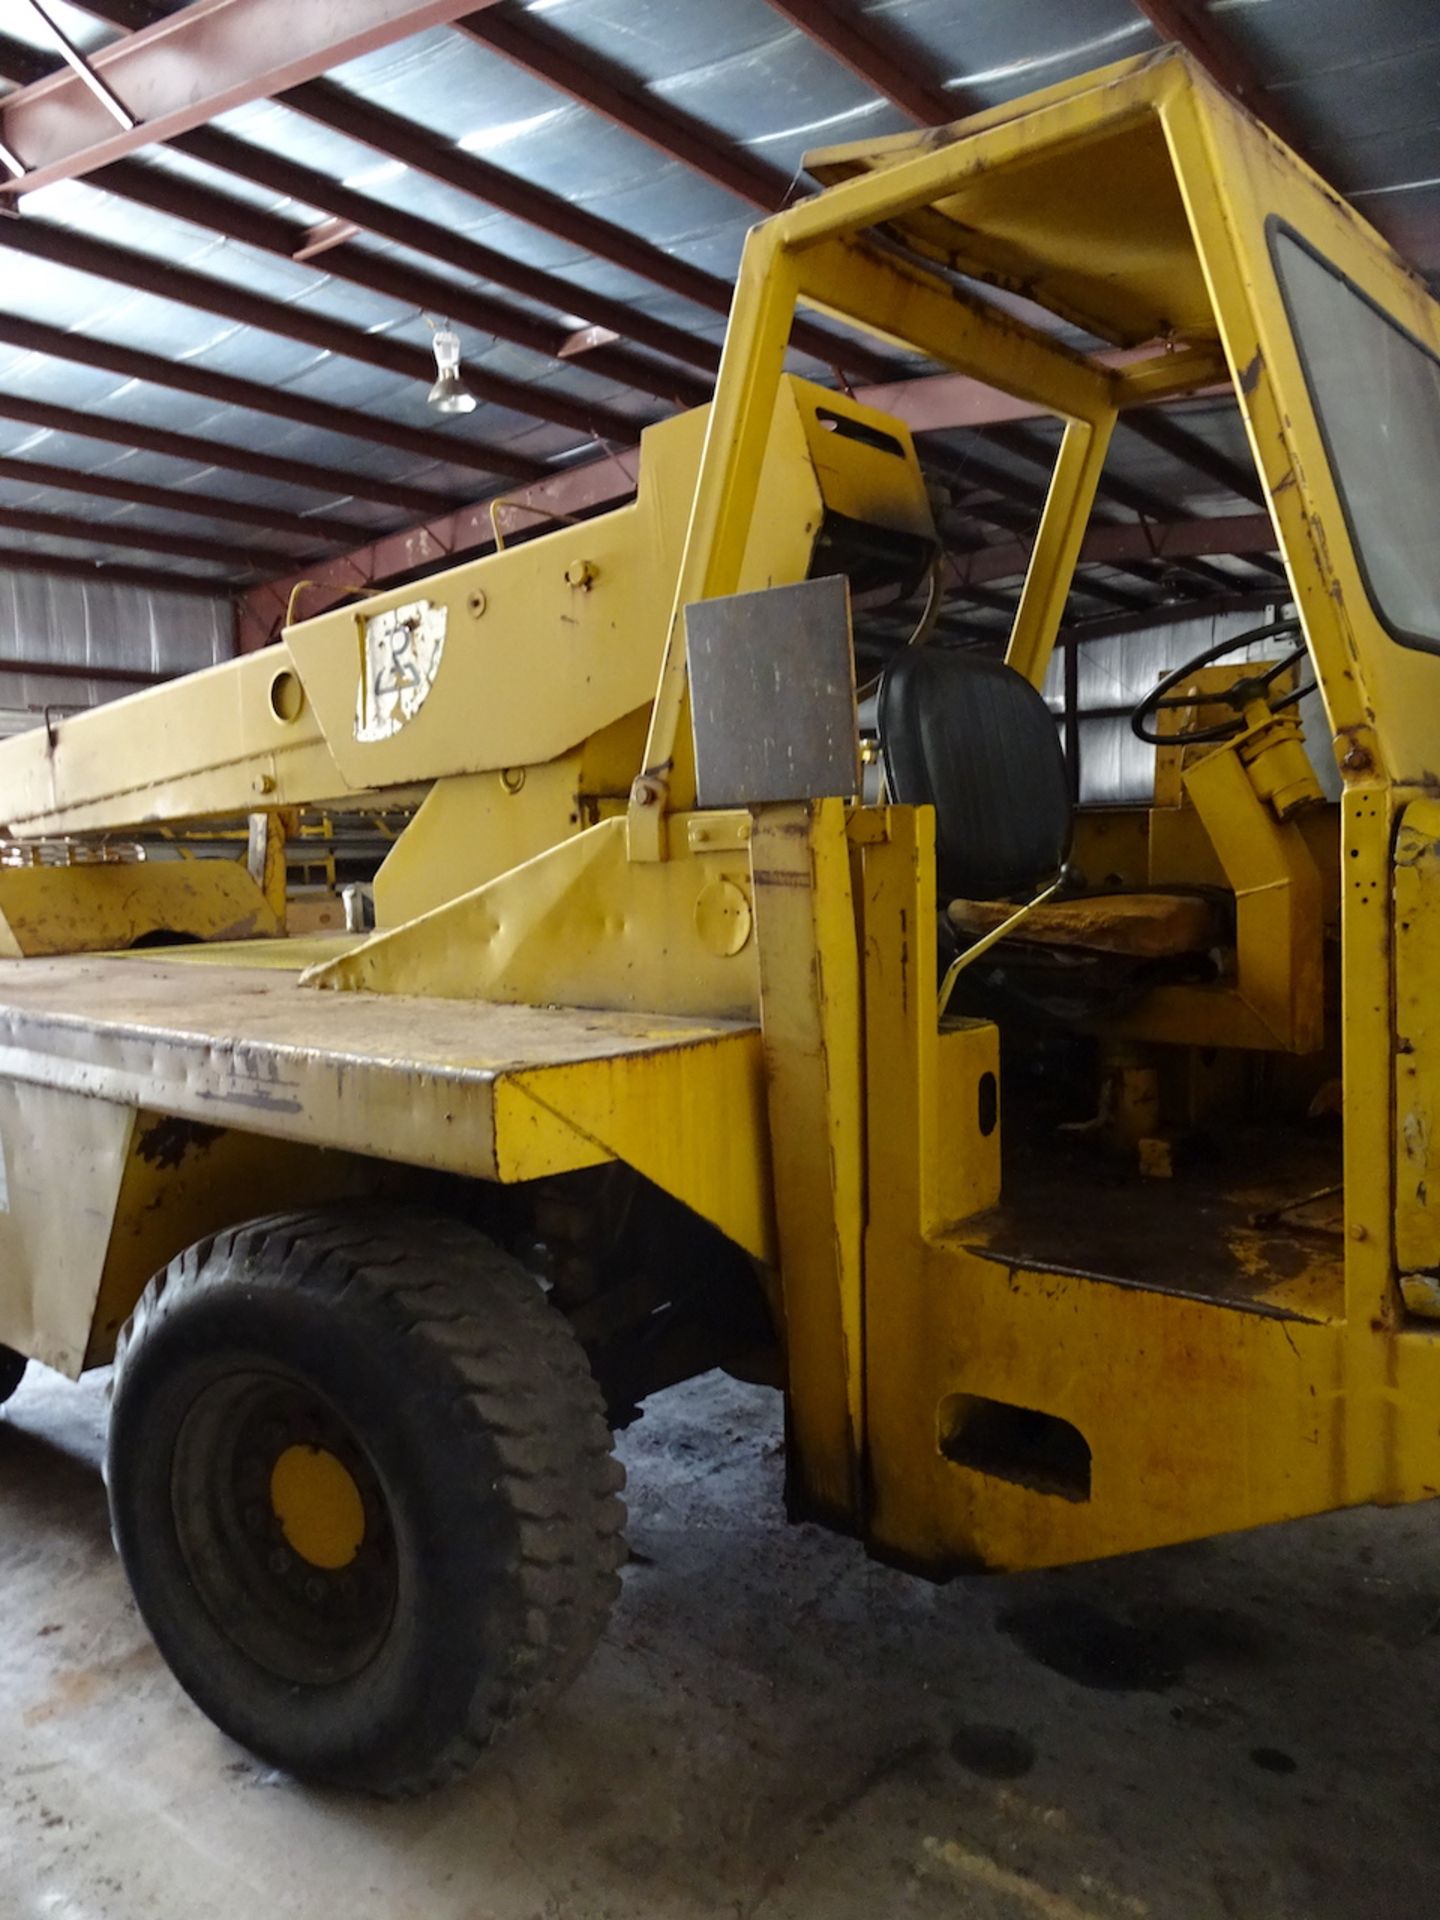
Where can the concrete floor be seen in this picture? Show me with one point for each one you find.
(775, 1730)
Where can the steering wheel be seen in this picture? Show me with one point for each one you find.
(1254, 686)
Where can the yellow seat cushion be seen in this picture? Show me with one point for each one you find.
(1146, 926)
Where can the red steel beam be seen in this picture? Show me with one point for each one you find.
(1115, 546)
(209, 453)
(184, 376)
(412, 287)
(1191, 25)
(1166, 613)
(606, 88)
(875, 56)
(461, 253)
(318, 527)
(188, 288)
(1170, 437)
(119, 533)
(456, 536)
(185, 69)
(68, 567)
(20, 64)
(400, 139)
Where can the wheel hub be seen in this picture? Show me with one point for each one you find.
(284, 1526)
(320, 1509)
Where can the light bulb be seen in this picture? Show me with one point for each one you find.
(449, 393)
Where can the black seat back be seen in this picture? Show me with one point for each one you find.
(973, 739)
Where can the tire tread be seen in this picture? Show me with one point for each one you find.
(515, 1373)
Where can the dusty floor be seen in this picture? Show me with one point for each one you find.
(774, 1728)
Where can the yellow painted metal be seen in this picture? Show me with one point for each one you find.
(722, 507)
(900, 996)
(1146, 925)
(1275, 999)
(1198, 1416)
(1273, 754)
(1057, 546)
(810, 985)
(967, 1120)
(184, 1178)
(98, 908)
(395, 1077)
(289, 953)
(1069, 202)
(695, 1125)
(853, 280)
(210, 743)
(880, 294)
(1378, 694)
(502, 1093)
(517, 625)
(578, 615)
(1417, 1056)
(214, 742)
(321, 1513)
(749, 1018)
(1170, 375)
(579, 925)
(474, 827)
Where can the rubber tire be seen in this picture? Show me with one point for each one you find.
(12, 1372)
(481, 1417)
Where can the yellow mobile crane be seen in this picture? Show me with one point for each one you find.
(675, 1047)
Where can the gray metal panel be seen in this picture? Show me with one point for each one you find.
(772, 695)
(95, 623)
(1116, 769)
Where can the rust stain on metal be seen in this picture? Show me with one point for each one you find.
(166, 1143)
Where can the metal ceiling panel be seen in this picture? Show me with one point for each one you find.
(1362, 80)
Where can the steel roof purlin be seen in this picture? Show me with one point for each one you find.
(602, 84)
(185, 68)
(875, 55)
(573, 198)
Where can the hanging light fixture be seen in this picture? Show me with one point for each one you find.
(449, 393)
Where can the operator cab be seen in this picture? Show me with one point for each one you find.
(1090, 966)
(970, 737)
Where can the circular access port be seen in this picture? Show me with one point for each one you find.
(723, 918)
(287, 697)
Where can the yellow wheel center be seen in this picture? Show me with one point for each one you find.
(318, 1506)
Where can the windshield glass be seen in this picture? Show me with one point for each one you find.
(1376, 393)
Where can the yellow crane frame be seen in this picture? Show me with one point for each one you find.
(846, 1148)
(1199, 1416)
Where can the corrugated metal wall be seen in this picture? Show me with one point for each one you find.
(79, 623)
(1115, 767)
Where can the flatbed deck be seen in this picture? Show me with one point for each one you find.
(462, 1086)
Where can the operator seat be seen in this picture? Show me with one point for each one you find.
(971, 737)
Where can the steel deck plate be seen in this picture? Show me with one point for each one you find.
(401, 1078)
